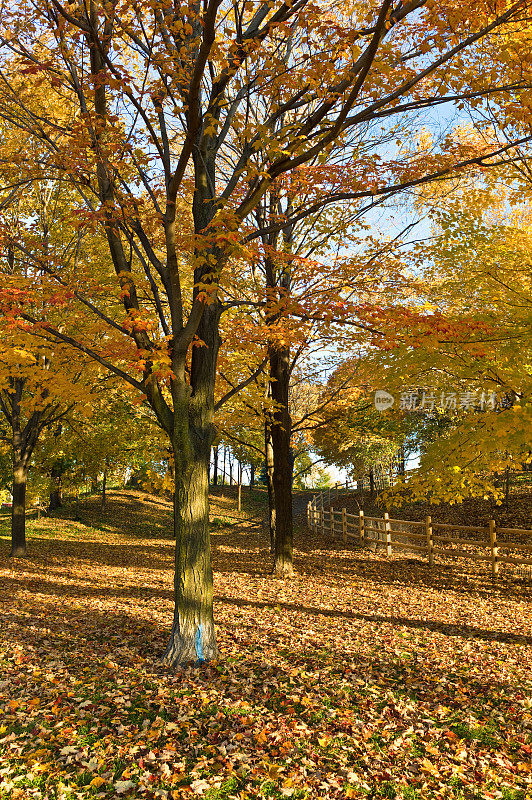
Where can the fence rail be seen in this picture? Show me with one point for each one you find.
(437, 538)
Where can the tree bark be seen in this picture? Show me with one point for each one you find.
(18, 513)
(281, 430)
(215, 467)
(268, 453)
(251, 476)
(193, 636)
(104, 487)
(56, 476)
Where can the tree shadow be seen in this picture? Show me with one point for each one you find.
(463, 577)
(449, 629)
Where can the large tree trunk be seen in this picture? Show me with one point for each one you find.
(281, 430)
(56, 476)
(268, 453)
(193, 637)
(18, 513)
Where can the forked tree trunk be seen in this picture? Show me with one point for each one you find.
(193, 636)
(281, 430)
(18, 513)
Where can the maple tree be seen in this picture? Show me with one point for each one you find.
(469, 349)
(173, 126)
(36, 393)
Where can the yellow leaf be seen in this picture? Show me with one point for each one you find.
(97, 782)
(430, 768)
(261, 737)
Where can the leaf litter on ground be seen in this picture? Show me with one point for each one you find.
(361, 677)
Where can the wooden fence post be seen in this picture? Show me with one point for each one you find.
(344, 525)
(329, 499)
(331, 520)
(494, 549)
(322, 517)
(388, 530)
(430, 541)
(361, 525)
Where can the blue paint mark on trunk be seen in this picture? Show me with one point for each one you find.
(199, 644)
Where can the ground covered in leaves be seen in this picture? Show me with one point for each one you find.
(362, 677)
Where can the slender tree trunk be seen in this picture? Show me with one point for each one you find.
(251, 476)
(268, 452)
(281, 430)
(56, 476)
(104, 487)
(18, 512)
(215, 466)
(224, 472)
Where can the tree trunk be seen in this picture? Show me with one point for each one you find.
(268, 452)
(282, 462)
(192, 637)
(507, 489)
(18, 513)
(104, 487)
(251, 476)
(56, 476)
(215, 467)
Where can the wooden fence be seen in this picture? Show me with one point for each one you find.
(487, 543)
